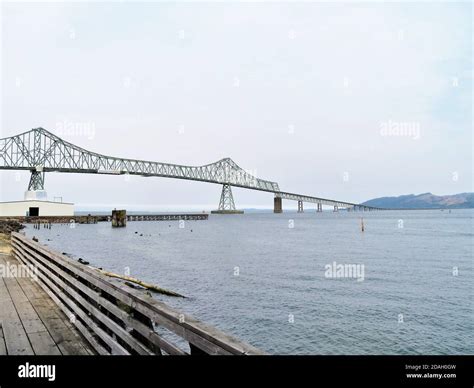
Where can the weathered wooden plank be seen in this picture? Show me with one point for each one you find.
(65, 311)
(69, 307)
(32, 289)
(39, 335)
(163, 314)
(201, 336)
(78, 299)
(147, 332)
(85, 332)
(43, 344)
(16, 340)
(28, 316)
(3, 348)
(62, 331)
(173, 324)
(16, 294)
(4, 294)
(165, 345)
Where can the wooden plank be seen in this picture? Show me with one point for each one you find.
(129, 321)
(3, 348)
(69, 307)
(16, 340)
(170, 318)
(202, 336)
(65, 336)
(28, 316)
(65, 311)
(57, 323)
(43, 344)
(40, 340)
(85, 332)
(16, 294)
(172, 324)
(4, 294)
(147, 332)
(118, 330)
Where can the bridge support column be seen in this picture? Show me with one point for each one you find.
(319, 208)
(36, 181)
(277, 207)
(36, 186)
(300, 206)
(336, 209)
(226, 204)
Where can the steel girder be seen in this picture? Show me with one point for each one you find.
(322, 201)
(227, 199)
(40, 150)
(36, 181)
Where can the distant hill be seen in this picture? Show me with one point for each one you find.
(425, 201)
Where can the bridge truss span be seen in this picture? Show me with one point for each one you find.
(41, 151)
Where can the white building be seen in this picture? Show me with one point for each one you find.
(35, 208)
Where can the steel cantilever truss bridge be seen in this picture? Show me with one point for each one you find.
(40, 151)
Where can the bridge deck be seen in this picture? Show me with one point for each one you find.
(31, 323)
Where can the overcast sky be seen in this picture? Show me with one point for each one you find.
(309, 95)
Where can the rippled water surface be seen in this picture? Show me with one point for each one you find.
(263, 281)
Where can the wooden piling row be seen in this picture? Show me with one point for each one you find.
(94, 219)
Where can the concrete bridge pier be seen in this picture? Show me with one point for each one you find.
(336, 209)
(277, 206)
(119, 218)
(319, 207)
(300, 206)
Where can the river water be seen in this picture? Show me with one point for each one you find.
(266, 278)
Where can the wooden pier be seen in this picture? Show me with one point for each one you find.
(97, 314)
(30, 322)
(168, 217)
(94, 219)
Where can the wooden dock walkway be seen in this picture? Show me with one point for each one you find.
(31, 323)
(106, 316)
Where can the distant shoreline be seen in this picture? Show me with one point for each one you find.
(424, 201)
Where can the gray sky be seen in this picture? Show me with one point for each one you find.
(313, 96)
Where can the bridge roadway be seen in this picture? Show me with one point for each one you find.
(40, 151)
